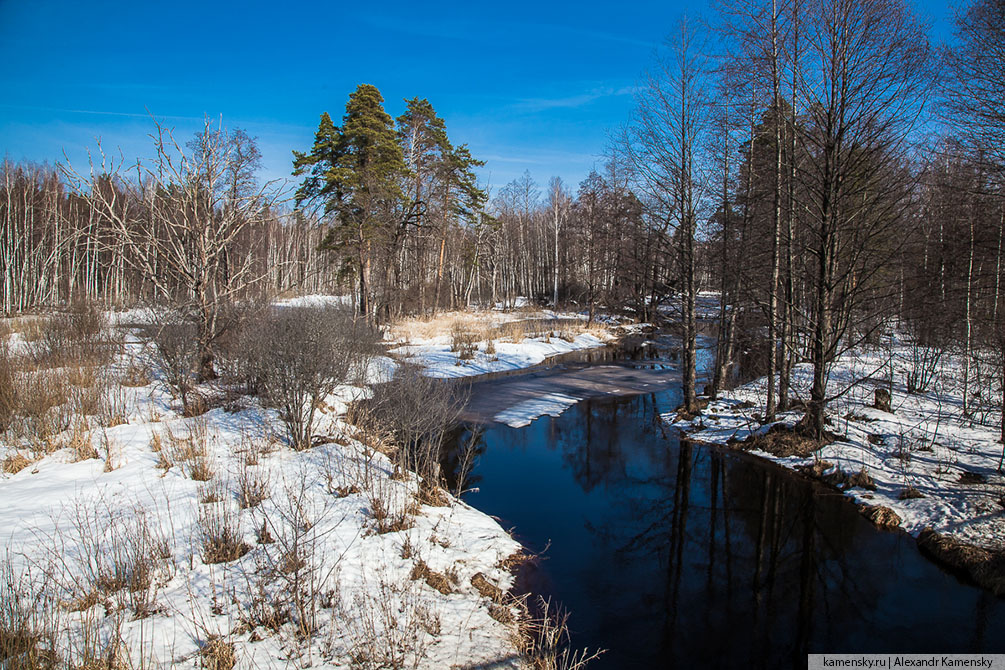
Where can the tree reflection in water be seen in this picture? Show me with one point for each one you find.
(673, 554)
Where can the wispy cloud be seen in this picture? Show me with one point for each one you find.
(97, 112)
(571, 101)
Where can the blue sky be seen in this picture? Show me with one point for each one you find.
(527, 85)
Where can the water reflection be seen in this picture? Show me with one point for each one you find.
(670, 554)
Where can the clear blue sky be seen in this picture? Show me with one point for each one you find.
(527, 85)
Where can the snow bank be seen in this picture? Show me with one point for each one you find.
(521, 414)
(924, 448)
(436, 357)
(340, 556)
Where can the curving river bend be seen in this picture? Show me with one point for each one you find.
(669, 554)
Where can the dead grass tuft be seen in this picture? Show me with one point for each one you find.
(438, 581)
(192, 451)
(486, 588)
(782, 441)
(15, 463)
(388, 521)
(862, 479)
(910, 493)
(985, 567)
(884, 517)
(218, 654)
(80, 443)
(252, 488)
(220, 531)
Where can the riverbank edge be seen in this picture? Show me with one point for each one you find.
(982, 567)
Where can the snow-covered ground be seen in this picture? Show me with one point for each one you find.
(929, 464)
(497, 341)
(336, 564)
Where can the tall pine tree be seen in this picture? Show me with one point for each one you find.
(355, 172)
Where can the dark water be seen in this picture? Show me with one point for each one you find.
(674, 555)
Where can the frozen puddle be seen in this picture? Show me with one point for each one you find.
(521, 414)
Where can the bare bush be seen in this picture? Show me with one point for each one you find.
(29, 621)
(176, 345)
(220, 534)
(301, 355)
(924, 365)
(418, 411)
(79, 336)
(463, 341)
(9, 398)
(389, 627)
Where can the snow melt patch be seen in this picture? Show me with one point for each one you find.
(522, 413)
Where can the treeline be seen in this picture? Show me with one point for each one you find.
(66, 236)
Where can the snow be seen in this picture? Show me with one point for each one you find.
(71, 518)
(521, 414)
(926, 443)
(436, 357)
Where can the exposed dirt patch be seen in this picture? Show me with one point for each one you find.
(972, 478)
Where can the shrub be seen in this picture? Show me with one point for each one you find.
(220, 531)
(463, 341)
(301, 355)
(416, 411)
(176, 346)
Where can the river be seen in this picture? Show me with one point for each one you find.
(669, 554)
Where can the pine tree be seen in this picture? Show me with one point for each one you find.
(356, 173)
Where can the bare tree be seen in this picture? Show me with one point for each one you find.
(180, 219)
(866, 79)
(663, 146)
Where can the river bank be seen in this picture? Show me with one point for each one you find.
(922, 466)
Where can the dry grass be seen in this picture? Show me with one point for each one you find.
(438, 581)
(252, 487)
(388, 521)
(884, 517)
(544, 640)
(985, 567)
(80, 442)
(191, 451)
(910, 493)
(220, 531)
(862, 479)
(463, 341)
(16, 462)
(486, 588)
(218, 654)
(135, 375)
(782, 441)
(479, 324)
